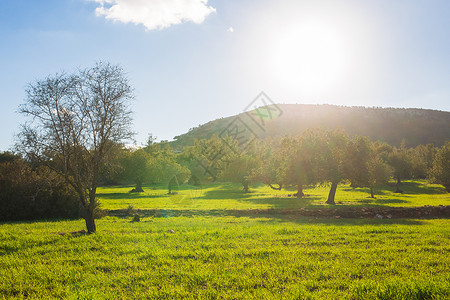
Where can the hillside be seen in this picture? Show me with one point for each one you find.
(391, 125)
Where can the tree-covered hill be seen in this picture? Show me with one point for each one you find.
(391, 125)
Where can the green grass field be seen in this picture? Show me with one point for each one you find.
(230, 196)
(212, 256)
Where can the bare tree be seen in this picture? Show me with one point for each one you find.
(75, 121)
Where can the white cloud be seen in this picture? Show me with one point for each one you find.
(231, 29)
(154, 14)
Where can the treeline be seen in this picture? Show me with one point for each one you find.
(314, 157)
(29, 190)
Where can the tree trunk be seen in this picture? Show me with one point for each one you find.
(398, 190)
(300, 191)
(371, 193)
(245, 184)
(332, 193)
(139, 188)
(447, 187)
(90, 221)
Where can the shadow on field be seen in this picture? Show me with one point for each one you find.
(225, 191)
(377, 191)
(123, 196)
(420, 188)
(276, 202)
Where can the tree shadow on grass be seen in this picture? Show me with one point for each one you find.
(126, 196)
(225, 191)
(408, 187)
(377, 191)
(414, 187)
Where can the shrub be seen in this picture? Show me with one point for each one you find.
(39, 193)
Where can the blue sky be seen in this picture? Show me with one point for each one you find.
(192, 61)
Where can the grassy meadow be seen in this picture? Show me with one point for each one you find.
(217, 256)
(225, 196)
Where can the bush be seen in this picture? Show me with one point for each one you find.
(38, 193)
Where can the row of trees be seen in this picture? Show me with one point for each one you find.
(316, 157)
(325, 157)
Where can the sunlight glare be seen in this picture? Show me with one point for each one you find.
(308, 58)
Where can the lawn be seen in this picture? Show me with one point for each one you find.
(223, 196)
(218, 256)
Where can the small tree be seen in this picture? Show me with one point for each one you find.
(137, 167)
(358, 154)
(421, 160)
(299, 163)
(379, 173)
(268, 162)
(440, 171)
(400, 161)
(164, 167)
(75, 121)
(240, 167)
(331, 152)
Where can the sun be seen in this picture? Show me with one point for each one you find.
(308, 58)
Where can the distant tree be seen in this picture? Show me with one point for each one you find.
(165, 167)
(379, 173)
(208, 156)
(357, 156)
(364, 165)
(268, 162)
(137, 167)
(331, 151)
(170, 172)
(440, 172)
(75, 121)
(299, 161)
(382, 150)
(240, 165)
(422, 158)
(401, 163)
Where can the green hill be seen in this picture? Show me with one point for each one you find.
(391, 125)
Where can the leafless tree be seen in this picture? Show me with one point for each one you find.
(74, 122)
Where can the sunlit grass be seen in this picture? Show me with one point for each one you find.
(215, 255)
(225, 196)
(226, 257)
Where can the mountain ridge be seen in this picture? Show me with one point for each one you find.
(392, 125)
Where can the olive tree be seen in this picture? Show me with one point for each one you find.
(440, 171)
(74, 121)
